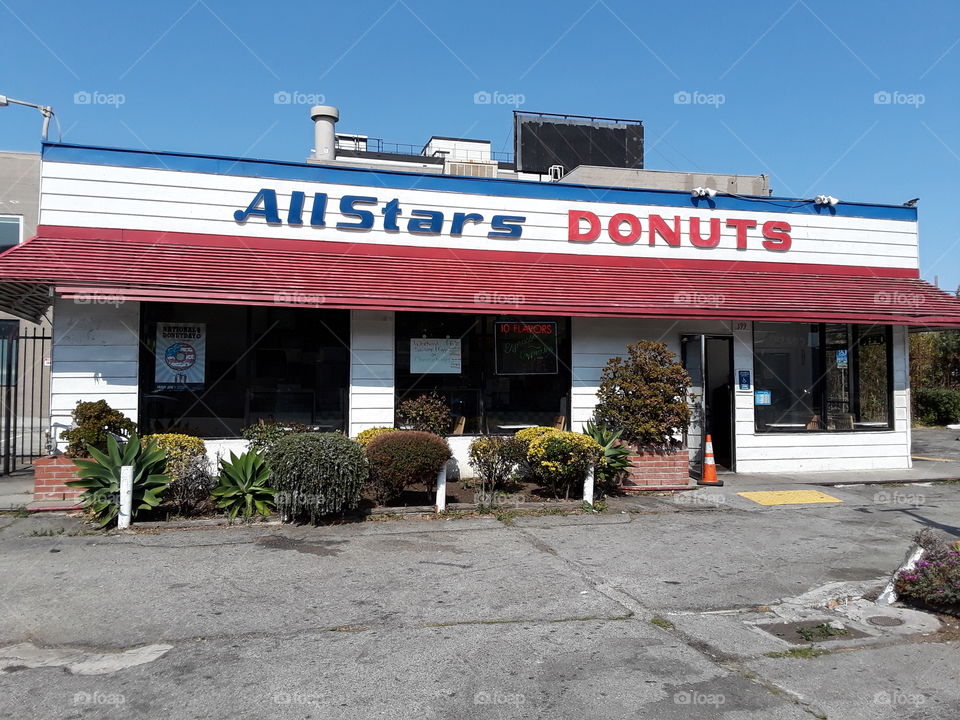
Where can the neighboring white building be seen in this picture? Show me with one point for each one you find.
(209, 292)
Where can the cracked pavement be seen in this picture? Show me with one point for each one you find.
(547, 617)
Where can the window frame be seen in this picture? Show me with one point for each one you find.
(20, 226)
(854, 331)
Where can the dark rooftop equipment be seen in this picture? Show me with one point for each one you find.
(545, 139)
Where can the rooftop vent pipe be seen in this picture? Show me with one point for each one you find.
(324, 131)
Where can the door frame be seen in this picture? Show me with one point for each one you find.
(704, 370)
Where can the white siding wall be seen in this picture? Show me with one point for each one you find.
(596, 340)
(178, 201)
(95, 356)
(371, 369)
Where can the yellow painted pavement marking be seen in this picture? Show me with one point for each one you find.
(788, 497)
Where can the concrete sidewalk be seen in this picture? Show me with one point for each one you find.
(658, 612)
(16, 491)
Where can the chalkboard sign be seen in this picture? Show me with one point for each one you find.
(435, 356)
(526, 348)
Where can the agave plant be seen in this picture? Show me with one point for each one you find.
(615, 453)
(100, 478)
(242, 487)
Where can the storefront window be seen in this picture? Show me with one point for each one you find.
(821, 377)
(210, 370)
(498, 374)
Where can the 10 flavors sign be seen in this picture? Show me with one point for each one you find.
(180, 355)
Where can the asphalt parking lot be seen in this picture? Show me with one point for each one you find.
(655, 608)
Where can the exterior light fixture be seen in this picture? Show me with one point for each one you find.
(699, 192)
(45, 110)
(826, 200)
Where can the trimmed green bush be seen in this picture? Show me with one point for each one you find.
(404, 458)
(316, 474)
(495, 458)
(561, 459)
(426, 413)
(937, 406)
(365, 436)
(94, 422)
(645, 396)
(188, 469)
(264, 434)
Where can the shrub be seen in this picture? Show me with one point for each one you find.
(100, 478)
(934, 582)
(242, 487)
(616, 454)
(937, 406)
(561, 459)
(494, 458)
(264, 434)
(426, 413)
(94, 422)
(403, 458)
(644, 395)
(316, 474)
(365, 436)
(188, 469)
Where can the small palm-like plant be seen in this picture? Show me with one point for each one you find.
(616, 454)
(100, 478)
(242, 487)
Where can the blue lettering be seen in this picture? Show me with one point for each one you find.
(390, 214)
(460, 219)
(431, 225)
(319, 212)
(365, 217)
(269, 212)
(295, 214)
(506, 226)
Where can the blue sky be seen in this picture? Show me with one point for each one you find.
(784, 88)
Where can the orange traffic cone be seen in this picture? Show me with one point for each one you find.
(709, 474)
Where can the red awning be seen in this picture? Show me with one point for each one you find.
(139, 265)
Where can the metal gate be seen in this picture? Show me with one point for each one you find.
(24, 394)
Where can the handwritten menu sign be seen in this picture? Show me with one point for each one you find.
(435, 356)
(526, 348)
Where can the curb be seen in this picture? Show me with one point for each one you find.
(908, 481)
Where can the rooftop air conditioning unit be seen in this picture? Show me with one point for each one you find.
(471, 169)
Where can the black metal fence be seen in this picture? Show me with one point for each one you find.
(24, 395)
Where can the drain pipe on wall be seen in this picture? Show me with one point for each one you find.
(126, 497)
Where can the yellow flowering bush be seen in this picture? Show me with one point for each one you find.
(528, 435)
(365, 436)
(561, 459)
(188, 469)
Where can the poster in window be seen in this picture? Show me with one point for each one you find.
(842, 361)
(526, 348)
(180, 356)
(435, 356)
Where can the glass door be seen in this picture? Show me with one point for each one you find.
(693, 356)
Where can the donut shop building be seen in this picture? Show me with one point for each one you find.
(206, 293)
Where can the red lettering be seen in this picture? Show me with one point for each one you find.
(573, 226)
(742, 226)
(658, 226)
(614, 228)
(697, 240)
(777, 234)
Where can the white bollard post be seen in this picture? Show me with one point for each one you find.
(126, 497)
(442, 489)
(588, 486)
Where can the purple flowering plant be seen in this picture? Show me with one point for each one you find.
(935, 581)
